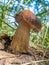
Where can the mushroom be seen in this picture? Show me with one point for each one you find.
(26, 20)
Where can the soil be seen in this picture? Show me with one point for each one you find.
(33, 57)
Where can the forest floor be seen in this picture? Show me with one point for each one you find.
(36, 57)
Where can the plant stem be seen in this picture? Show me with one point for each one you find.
(7, 24)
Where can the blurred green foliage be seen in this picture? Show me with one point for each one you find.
(8, 9)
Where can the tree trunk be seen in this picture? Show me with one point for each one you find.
(20, 41)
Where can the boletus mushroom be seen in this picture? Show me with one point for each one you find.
(26, 20)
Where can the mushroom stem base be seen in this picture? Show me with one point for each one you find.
(20, 41)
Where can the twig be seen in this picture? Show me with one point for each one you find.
(35, 62)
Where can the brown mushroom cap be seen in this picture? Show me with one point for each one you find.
(29, 18)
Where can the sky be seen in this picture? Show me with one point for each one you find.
(31, 7)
